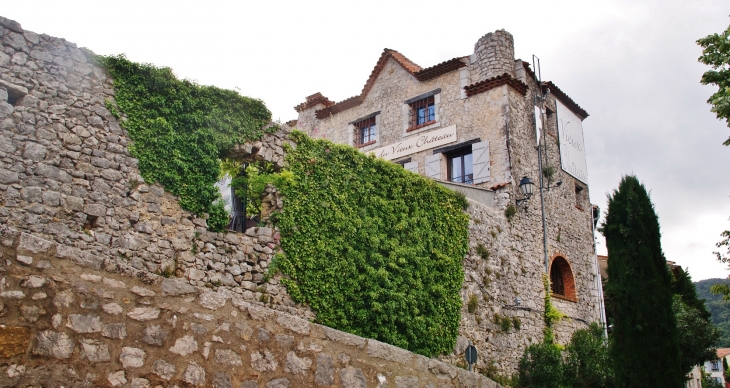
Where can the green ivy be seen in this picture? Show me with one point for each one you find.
(374, 249)
(180, 130)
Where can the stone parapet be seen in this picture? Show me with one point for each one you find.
(72, 320)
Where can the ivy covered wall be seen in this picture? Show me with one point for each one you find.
(374, 249)
(180, 130)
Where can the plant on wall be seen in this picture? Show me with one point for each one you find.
(374, 249)
(180, 130)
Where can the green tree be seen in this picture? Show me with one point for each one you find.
(697, 335)
(708, 381)
(716, 53)
(645, 347)
(587, 362)
(683, 286)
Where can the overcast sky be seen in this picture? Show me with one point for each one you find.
(632, 65)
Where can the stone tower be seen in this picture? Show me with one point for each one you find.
(494, 54)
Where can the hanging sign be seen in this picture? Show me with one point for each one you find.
(420, 142)
(572, 146)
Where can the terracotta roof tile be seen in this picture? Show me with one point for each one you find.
(437, 70)
(565, 99)
(313, 100)
(412, 68)
(722, 352)
(496, 81)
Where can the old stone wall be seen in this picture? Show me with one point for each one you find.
(66, 175)
(68, 323)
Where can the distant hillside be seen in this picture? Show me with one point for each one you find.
(719, 308)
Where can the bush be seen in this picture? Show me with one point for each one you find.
(587, 363)
(541, 366)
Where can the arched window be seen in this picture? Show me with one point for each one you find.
(562, 283)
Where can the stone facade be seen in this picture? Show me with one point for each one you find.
(488, 96)
(67, 323)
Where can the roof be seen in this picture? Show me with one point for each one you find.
(421, 74)
(560, 95)
(722, 352)
(411, 67)
(313, 100)
(496, 81)
(564, 98)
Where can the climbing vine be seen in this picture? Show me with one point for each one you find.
(374, 249)
(180, 130)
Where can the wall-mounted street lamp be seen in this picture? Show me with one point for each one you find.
(526, 187)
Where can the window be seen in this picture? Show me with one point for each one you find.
(581, 196)
(423, 113)
(716, 366)
(365, 132)
(461, 166)
(562, 283)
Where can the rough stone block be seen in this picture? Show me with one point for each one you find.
(194, 375)
(342, 337)
(115, 330)
(177, 287)
(154, 335)
(94, 351)
(263, 363)
(281, 382)
(164, 369)
(50, 343)
(184, 346)
(325, 373)
(32, 244)
(117, 379)
(388, 352)
(144, 313)
(293, 323)
(212, 300)
(84, 323)
(352, 378)
(296, 365)
(132, 357)
(13, 340)
(227, 357)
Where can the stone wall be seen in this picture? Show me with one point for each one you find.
(68, 323)
(66, 175)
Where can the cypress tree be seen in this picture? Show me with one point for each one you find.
(645, 346)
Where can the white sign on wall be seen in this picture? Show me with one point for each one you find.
(572, 146)
(420, 142)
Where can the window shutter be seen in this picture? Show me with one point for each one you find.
(412, 167)
(480, 156)
(433, 166)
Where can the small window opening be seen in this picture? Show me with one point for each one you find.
(15, 97)
(580, 196)
(365, 132)
(423, 113)
(91, 222)
(562, 283)
(461, 166)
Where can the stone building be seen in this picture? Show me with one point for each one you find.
(470, 124)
